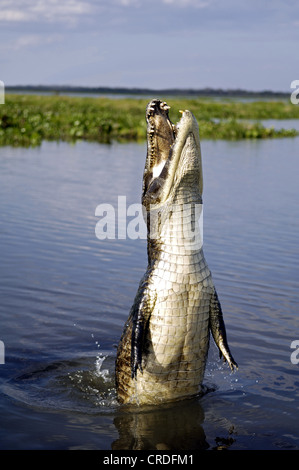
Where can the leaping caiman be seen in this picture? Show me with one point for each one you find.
(162, 353)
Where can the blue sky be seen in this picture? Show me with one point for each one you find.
(249, 44)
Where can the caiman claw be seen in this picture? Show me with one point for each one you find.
(218, 331)
(227, 357)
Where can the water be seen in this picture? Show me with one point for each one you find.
(65, 296)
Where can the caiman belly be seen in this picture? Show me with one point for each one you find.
(177, 337)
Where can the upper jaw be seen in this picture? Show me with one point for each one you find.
(160, 132)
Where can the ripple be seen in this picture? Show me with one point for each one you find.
(85, 385)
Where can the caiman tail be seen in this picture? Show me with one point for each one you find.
(163, 349)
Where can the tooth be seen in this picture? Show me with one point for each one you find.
(151, 110)
(164, 106)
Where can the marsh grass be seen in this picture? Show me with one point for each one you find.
(27, 120)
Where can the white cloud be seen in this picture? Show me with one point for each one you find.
(127, 3)
(49, 10)
(155, 3)
(55, 9)
(71, 10)
(185, 3)
(29, 40)
(13, 15)
(26, 40)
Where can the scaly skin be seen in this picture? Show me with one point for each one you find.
(162, 353)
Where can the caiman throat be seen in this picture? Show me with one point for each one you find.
(162, 353)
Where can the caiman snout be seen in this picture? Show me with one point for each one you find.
(167, 146)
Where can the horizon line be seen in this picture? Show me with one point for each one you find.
(145, 90)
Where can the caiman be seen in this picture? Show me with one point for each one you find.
(162, 353)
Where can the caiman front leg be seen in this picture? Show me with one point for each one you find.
(141, 316)
(217, 328)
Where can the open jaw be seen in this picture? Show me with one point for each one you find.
(166, 142)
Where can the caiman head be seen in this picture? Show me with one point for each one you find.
(172, 152)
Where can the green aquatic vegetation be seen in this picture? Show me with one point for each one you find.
(232, 129)
(27, 120)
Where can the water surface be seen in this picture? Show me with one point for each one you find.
(65, 296)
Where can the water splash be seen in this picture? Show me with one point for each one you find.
(105, 373)
(85, 385)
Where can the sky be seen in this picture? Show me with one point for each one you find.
(155, 44)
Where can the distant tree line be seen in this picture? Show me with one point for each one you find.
(208, 92)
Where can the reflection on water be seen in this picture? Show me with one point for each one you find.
(65, 296)
(170, 427)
